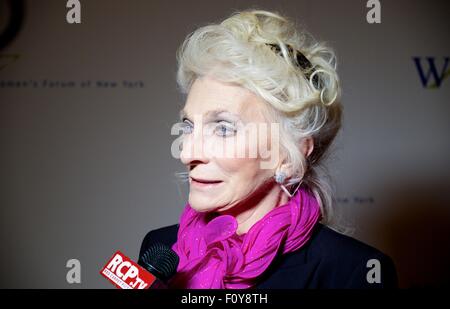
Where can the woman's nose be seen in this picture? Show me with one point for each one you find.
(193, 148)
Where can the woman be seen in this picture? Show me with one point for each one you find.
(259, 219)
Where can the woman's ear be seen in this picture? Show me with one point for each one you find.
(307, 146)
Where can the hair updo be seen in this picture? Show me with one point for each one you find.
(240, 50)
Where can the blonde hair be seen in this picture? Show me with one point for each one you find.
(237, 51)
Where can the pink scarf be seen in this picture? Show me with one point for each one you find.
(213, 256)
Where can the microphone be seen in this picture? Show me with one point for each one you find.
(162, 262)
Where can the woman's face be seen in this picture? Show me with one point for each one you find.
(222, 123)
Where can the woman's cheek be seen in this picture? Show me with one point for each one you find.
(222, 148)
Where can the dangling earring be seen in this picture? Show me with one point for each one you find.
(280, 179)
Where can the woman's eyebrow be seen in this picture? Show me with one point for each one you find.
(210, 114)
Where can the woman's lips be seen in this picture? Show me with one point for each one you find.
(201, 183)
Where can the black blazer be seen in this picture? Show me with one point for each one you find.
(328, 260)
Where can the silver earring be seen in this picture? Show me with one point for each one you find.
(295, 191)
(280, 178)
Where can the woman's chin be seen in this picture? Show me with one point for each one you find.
(202, 208)
(202, 204)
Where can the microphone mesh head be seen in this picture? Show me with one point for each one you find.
(161, 259)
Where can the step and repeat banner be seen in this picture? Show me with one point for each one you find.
(88, 97)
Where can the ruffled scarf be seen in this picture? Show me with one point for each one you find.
(213, 256)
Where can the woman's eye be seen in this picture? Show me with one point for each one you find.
(187, 128)
(224, 130)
